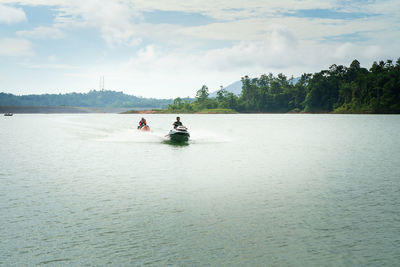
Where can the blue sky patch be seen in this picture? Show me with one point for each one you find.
(176, 17)
(39, 16)
(326, 14)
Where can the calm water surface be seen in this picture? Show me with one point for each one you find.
(247, 190)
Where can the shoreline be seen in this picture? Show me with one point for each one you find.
(216, 113)
(99, 110)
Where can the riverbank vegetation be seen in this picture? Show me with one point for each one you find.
(339, 89)
(204, 104)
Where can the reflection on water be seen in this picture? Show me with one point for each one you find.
(294, 190)
(176, 143)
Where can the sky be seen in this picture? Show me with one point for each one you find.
(170, 48)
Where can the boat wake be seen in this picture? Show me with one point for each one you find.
(161, 136)
(131, 136)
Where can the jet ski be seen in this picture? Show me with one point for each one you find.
(179, 134)
(144, 128)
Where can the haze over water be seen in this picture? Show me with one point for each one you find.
(247, 190)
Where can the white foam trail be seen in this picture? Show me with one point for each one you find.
(156, 135)
(131, 135)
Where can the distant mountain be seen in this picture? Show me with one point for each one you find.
(235, 88)
(295, 80)
(103, 98)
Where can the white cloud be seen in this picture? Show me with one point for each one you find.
(42, 33)
(11, 14)
(15, 47)
(279, 48)
(119, 22)
(115, 20)
(153, 72)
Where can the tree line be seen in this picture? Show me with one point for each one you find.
(102, 98)
(339, 89)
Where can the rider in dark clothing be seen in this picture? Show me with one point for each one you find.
(177, 123)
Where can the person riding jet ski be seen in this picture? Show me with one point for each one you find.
(142, 123)
(177, 123)
(179, 133)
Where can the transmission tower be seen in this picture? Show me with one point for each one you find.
(101, 85)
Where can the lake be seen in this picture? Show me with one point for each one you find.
(246, 190)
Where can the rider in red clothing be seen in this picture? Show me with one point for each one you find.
(142, 123)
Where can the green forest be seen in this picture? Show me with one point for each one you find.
(101, 98)
(339, 89)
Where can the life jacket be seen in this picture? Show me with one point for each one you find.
(142, 123)
(177, 123)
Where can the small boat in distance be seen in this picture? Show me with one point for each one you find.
(179, 134)
(8, 114)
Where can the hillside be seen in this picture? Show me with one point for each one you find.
(103, 98)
